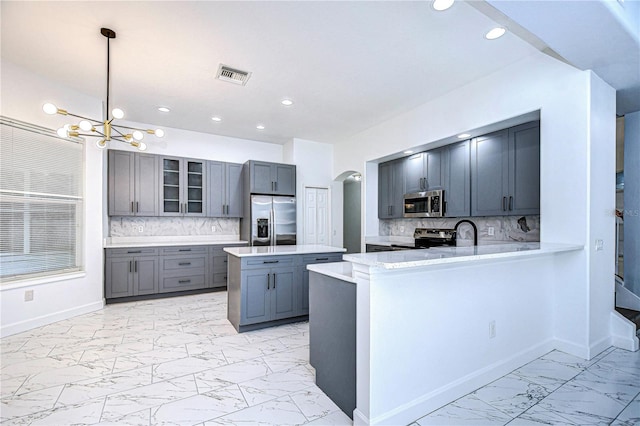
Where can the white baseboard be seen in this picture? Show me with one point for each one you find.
(413, 410)
(19, 327)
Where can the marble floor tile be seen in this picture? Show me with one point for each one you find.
(468, 410)
(282, 411)
(179, 361)
(199, 408)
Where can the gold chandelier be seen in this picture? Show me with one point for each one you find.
(104, 130)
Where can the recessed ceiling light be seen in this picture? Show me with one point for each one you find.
(163, 109)
(463, 135)
(260, 127)
(495, 33)
(216, 119)
(287, 102)
(441, 5)
(408, 151)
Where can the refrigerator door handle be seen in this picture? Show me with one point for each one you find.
(273, 226)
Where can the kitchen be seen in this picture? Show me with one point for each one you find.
(568, 101)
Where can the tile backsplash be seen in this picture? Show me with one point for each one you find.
(505, 228)
(124, 226)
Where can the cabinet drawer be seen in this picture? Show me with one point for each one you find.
(184, 250)
(267, 262)
(131, 251)
(322, 258)
(220, 264)
(191, 282)
(183, 263)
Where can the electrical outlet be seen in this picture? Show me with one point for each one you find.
(213, 228)
(599, 245)
(140, 228)
(402, 229)
(28, 295)
(492, 329)
(491, 231)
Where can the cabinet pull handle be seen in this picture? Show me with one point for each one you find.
(132, 210)
(183, 281)
(137, 207)
(270, 261)
(184, 263)
(134, 251)
(268, 281)
(135, 266)
(511, 202)
(184, 249)
(322, 258)
(276, 183)
(225, 277)
(274, 280)
(131, 266)
(504, 204)
(225, 261)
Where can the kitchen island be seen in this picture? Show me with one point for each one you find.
(433, 325)
(269, 285)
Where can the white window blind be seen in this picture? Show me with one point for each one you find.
(41, 207)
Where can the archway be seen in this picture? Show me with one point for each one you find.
(351, 210)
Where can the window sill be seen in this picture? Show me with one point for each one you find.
(31, 282)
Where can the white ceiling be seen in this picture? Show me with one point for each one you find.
(346, 65)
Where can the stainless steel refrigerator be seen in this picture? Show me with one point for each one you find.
(273, 220)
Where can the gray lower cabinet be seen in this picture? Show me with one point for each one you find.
(456, 180)
(183, 268)
(391, 189)
(132, 184)
(303, 297)
(505, 172)
(131, 272)
(265, 289)
(218, 266)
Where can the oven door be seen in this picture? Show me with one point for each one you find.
(417, 204)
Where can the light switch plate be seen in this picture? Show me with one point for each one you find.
(599, 245)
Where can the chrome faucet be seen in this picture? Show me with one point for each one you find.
(475, 229)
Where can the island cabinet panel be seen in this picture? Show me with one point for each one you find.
(267, 290)
(225, 189)
(271, 178)
(456, 180)
(303, 297)
(391, 189)
(505, 172)
(132, 184)
(218, 266)
(131, 272)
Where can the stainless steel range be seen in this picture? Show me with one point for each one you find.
(434, 237)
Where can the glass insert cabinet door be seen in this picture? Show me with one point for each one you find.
(182, 187)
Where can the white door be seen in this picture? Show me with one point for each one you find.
(316, 216)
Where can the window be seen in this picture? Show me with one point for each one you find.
(41, 207)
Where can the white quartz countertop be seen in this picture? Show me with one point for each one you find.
(453, 255)
(184, 240)
(340, 270)
(388, 240)
(282, 250)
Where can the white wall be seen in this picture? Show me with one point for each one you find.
(313, 169)
(577, 113)
(22, 96)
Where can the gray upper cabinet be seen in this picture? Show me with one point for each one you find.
(225, 189)
(390, 189)
(183, 187)
(456, 179)
(272, 178)
(505, 172)
(424, 171)
(133, 184)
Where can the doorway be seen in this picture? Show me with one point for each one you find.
(352, 196)
(316, 215)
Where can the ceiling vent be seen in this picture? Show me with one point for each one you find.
(232, 75)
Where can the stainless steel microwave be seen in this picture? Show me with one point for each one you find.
(424, 204)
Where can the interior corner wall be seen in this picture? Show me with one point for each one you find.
(602, 200)
(632, 201)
